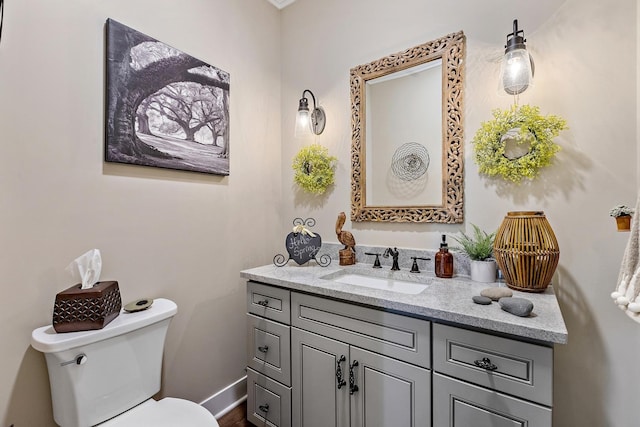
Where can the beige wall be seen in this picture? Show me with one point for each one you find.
(162, 233)
(585, 53)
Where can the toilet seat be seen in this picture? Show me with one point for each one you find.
(167, 412)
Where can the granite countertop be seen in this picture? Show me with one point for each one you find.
(447, 300)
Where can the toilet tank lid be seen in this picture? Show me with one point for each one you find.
(47, 340)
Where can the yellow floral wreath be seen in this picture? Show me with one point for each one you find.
(531, 128)
(313, 167)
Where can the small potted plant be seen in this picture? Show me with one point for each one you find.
(622, 214)
(479, 247)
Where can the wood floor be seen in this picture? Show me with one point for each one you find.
(236, 418)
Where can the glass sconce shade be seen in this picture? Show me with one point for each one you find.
(303, 124)
(516, 74)
(517, 71)
(309, 122)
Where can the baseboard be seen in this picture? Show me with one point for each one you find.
(227, 398)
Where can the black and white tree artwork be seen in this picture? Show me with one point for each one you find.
(164, 108)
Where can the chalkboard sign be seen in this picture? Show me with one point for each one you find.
(301, 247)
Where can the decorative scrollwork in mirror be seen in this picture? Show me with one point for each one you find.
(391, 107)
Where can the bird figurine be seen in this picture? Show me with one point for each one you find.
(348, 254)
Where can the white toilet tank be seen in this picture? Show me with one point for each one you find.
(96, 375)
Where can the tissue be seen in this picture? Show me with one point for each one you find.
(86, 268)
(90, 304)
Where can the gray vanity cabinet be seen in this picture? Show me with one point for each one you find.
(321, 362)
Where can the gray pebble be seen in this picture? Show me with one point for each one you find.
(518, 306)
(496, 293)
(481, 300)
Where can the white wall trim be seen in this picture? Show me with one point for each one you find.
(227, 398)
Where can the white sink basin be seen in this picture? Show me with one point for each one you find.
(393, 285)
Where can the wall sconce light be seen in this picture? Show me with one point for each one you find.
(517, 65)
(308, 124)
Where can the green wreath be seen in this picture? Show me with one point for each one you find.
(313, 168)
(527, 131)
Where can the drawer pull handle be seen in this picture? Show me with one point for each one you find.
(264, 302)
(353, 387)
(485, 363)
(263, 349)
(340, 380)
(264, 408)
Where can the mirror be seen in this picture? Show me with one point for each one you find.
(407, 135)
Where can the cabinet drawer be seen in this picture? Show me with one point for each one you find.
(459, 404)
(270, 348)
(269, 301)
(521, 369)
(268, 402)
(400, 337)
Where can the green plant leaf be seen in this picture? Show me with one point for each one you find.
(314, 168)
(478, 247)
(489, 149)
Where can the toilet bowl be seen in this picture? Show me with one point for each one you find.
(168, 412)
(107, 377)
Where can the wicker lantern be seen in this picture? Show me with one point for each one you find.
(527, 251)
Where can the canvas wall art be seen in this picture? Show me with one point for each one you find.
(164, 108)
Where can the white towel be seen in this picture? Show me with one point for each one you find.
(628, 286)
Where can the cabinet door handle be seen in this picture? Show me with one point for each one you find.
(263, 349)
(264, 408)
(485, 363)
(340, 380)
(353, 387)
(264, 302)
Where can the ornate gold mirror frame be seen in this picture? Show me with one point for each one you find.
(451, 49)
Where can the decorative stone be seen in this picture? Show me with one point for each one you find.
(517, 306)
(496, 293)
(481, 300)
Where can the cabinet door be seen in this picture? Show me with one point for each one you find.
(460, 404)
(318, 400)
(390, 392)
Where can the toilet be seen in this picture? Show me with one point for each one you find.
(107, 377)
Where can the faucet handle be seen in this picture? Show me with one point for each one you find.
(376, 263)
(414, 267)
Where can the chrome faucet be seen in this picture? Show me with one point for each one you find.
(394, 254)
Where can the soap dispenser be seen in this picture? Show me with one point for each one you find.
(444, 260)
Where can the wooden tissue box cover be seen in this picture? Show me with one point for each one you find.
(79, 309)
